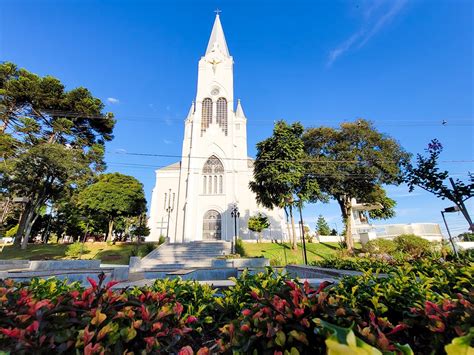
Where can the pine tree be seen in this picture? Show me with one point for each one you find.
(322, 226)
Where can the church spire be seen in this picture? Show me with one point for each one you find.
(217, 39)
(239, 112)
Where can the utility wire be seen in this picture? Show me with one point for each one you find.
(146, 118)
(275, 160)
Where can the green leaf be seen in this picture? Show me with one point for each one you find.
(280, 338)
(461, 345)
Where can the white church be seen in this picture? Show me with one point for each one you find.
(197, 198)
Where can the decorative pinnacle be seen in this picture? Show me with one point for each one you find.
(217, 11)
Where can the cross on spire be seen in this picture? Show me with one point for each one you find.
(217, 11)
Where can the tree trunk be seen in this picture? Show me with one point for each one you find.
(293, 242)
(287, 225)
(21, 228)
(111, 227)
(346, 209)
(29, 221)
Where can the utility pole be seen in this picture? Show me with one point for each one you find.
(448, 210)
(462, 206)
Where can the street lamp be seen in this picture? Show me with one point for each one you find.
(449, 210)
(235, 214)
(169, 209)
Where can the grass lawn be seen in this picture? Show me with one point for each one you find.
(282, 254)
(109, 254)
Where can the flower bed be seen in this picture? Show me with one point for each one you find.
(412, 310)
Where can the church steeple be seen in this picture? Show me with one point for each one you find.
(217, 40)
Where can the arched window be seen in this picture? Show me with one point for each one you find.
(222, 114)
(213, 176)
(206, 114)
(211, 225)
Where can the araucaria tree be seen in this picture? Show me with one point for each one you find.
(427, 175)
(322, 226)
(280, 178)
(112, 196)
(52, 140)
(354, 161)
(258, 223)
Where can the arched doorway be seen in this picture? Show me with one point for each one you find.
(211, 225)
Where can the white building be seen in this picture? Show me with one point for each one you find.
(193, 199)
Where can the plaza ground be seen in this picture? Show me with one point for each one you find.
(282, 254)
(118, 253)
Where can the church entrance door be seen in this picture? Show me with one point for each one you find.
(211, 226)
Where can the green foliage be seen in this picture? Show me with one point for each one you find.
(280, 173)
(113, 195)
(239, 247)
(358, 264)
(258, 223)
(12, 231)
(162, 239)
(76, 249)
(461, 345)
(353, 161)
(322, 227)
(425, 306)
(466, 237)
(427, 175)
(52, 140)
(381, 246)
(379, 195)
(51, 288)
(149, 247)
(413, 245)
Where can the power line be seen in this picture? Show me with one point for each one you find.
(310, 161)
(154, 167)
(445, 122)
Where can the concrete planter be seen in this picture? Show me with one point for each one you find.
(64, 264)
(241, 263)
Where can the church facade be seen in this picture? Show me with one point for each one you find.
(197, 198)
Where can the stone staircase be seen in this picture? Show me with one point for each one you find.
(174, 256)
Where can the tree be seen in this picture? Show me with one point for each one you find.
(333, 232)
(427, 175)
(112, 196)
(354, 161)
(258, 223)
(322, 226)
(280, 178)
(52, 140)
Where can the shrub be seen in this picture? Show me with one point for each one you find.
(239, 248)
(162, 239)
(358, 264)
(424, 304)
(11, 232)
(148, 248)
(413, 245)
(465, 237)
(76, 249)
(380, 246)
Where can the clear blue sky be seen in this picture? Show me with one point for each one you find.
(406, 65)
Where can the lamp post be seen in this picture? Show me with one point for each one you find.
(169, 209)
(235, 214)
(449, 210)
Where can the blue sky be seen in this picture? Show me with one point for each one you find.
(406, 65)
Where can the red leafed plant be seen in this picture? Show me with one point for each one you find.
(95, 320)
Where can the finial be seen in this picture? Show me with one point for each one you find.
(217, 11)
